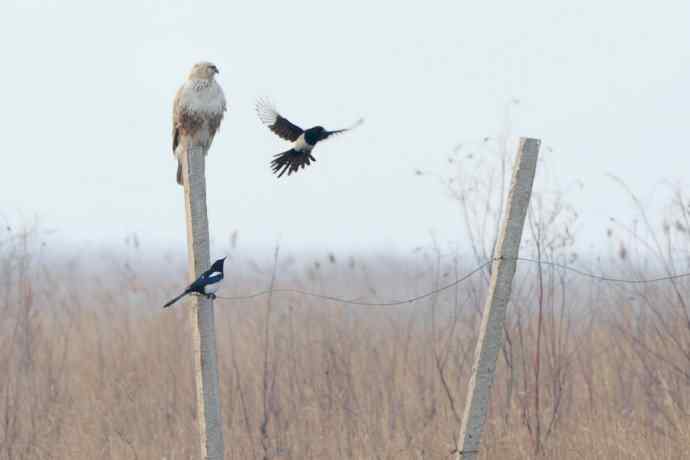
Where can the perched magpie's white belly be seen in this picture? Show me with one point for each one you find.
(211, 288)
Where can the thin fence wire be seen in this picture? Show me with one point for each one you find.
(355, 301)
(601, 277)
(450, 285)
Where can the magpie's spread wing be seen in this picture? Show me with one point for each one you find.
(327, 134)
(276, 122)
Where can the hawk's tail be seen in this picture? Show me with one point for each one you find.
(179, 172)
(291, 161)
(175, 299)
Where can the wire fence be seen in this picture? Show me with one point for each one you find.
(445, 287)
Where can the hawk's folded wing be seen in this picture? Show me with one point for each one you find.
(176, 119)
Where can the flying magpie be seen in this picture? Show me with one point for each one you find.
(303, 141)
(207, 284)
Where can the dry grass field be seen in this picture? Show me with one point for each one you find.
(93, 368)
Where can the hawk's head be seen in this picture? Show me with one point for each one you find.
(203, 71)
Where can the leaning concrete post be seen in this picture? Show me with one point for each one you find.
(490, 338)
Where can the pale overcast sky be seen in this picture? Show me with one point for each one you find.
(87, 89)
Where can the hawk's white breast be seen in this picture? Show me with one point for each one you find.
(203, 96)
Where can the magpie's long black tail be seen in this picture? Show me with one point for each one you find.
(291, 161)
(175, 299)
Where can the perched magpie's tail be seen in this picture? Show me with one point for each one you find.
(175, 299)
(291, 161)
(179, 172)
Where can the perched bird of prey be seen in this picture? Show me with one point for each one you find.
(207, 284)
(303, 141)
(197, 110)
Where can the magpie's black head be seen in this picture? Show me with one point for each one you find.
(218, 265)
(315, 134)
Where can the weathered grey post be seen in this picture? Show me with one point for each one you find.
(202, 316)
(490, 338)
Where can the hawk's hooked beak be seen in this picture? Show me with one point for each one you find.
(215, 69)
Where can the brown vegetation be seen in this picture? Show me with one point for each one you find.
(93, 368)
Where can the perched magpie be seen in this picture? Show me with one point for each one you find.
(303, 141)
(207, 284)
